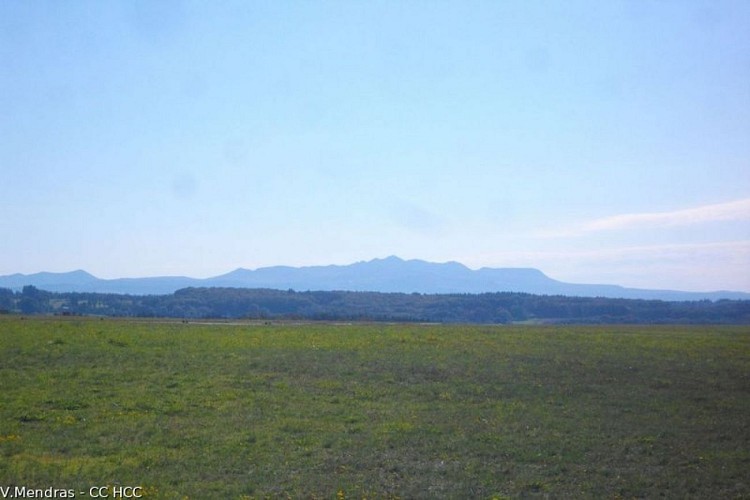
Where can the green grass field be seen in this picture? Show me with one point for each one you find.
(375, 410)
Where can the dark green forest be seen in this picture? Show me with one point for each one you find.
(499, 308)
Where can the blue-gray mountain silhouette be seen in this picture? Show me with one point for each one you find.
(391, 274)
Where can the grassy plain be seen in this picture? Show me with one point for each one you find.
(375, 410)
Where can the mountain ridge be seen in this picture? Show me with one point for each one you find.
(390, 274)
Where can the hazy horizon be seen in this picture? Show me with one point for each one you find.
(344, 265)
(599, 142)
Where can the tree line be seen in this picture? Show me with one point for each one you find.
(502, 307)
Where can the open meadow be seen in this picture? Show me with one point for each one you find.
(323, 410)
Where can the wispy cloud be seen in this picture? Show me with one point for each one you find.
(729, 211)
(415, 218)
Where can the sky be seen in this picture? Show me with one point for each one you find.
(599, 141)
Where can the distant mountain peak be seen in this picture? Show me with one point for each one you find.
(388, 274)
(392, 258)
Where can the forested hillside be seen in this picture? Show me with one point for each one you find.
(240, 303)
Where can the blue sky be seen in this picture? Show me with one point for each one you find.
(599, 141)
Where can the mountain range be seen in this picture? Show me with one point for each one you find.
(391, 274)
